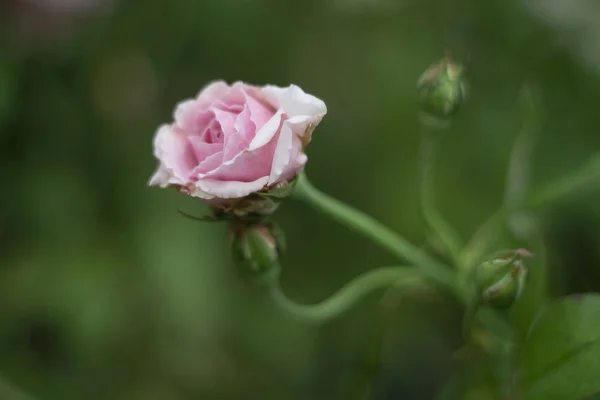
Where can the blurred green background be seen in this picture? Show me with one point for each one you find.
(106, 292)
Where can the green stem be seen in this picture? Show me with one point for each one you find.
(549, 193)
(380, 234)
(343, 299)
(446, 233)
(481, 241)
(561, 187)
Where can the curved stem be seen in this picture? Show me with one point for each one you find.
(343, 299)
(565, 185)
(446, 233)
(380, 234)
(482, 240)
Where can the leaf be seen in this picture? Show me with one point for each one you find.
(204, 218)
(561, 356)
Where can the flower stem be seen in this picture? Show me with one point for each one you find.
(482, 240)
(561, 187)
(343, 299)
(446, 233)
(378, 233)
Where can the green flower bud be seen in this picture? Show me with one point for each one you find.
(499, 282)
(256, 248)
(442, 90)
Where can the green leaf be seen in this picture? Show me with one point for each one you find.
(561, 356)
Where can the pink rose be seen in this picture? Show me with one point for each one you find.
(232, 141)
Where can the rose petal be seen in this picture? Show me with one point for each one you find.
(233, 108)
(161, 177)
(184, 113)
(267, 131)
(213, 133)
(211, 163)
(213, 91)
(304, 125)
(245, 167)
(244, 124)
(231, 189)
(283, 150)
(226, 119)
(173, 150)
(202, 149)
(234, 95)
(296, 163)
(260, 110)
(294, 101)
(235, 144)
(192, 120)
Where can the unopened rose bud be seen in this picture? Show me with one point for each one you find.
(442, 90)
(499, 282)
(256, 249)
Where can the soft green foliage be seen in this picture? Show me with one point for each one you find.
(106, 292)
(561, 356)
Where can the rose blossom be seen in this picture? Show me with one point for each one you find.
(231, 141)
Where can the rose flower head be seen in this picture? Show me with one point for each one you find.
(235, 141)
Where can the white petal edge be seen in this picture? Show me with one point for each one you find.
(300, 124)
(164, 175)
(160, 178)
(213, 89)
(266, 132)
(283, 152)
(294, 101)
(231, 189)
(163, 178)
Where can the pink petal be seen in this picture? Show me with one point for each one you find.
(211, 163)
(234, 95)
(226, 119)
(233, 108)
(244, 124)
(190, 119)
(231, 189)
(260, 110)
(202, 150)
(235, 144)
(173, 151)
(213, 91)
(245, 167)
(213, 133)
(267, 131)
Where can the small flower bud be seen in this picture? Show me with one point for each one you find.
(442, 89)
(499, 282)
(256, 248)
